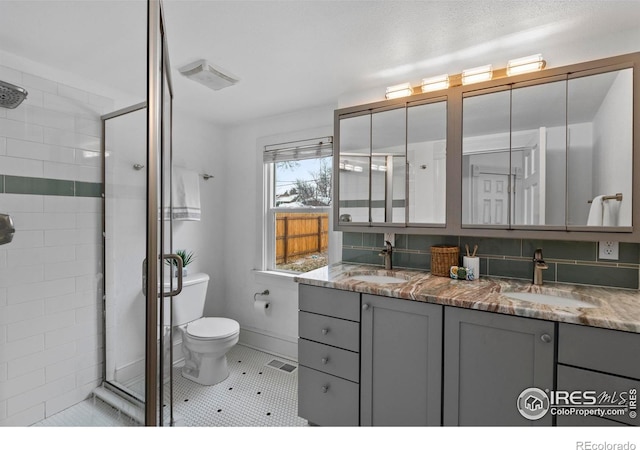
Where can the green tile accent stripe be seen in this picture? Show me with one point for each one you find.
(38, 186)
(354, 203)
(568, 261)
(84, 189)
(10, 184)
(373, 203)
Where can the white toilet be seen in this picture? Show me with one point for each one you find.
(205, 340)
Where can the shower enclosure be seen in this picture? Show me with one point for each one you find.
(83, 280)
(138, 241)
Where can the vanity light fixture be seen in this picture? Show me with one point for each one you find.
(525, 64)
(477, 74)
(435, 83)
(344, 165)
(399, 90)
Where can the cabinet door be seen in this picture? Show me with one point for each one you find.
(401, 362)
(489, 360)
(388, 166)
(427, 163)
(600, 152)
(486, 175)
(353, 162)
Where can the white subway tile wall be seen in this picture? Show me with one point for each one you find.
(51, 274)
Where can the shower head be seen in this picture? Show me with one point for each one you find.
(10, 95)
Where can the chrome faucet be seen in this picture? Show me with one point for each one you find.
(387, 252)
(538, 266)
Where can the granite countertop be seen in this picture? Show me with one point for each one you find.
(617, 309)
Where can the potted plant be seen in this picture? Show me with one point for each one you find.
(187, 258)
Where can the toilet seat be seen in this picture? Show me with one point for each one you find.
(212, 328)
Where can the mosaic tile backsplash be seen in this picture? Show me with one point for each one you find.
(569, 261)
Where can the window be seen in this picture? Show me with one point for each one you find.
(299, 182)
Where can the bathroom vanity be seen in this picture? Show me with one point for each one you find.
(429, 351)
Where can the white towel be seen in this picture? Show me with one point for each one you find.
(186, 194)
(610, 212)
(595, 213)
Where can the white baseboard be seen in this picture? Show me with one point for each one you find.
(278, 345)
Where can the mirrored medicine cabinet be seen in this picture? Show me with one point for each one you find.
(390, 162)
(547, 155)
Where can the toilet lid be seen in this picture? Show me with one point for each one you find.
(213, 327)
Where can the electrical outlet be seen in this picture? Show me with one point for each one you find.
(608, 250)
(391, 237)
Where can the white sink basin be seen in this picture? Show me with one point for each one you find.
(548, 299)
(379, 279)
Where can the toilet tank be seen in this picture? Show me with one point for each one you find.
(189, 304)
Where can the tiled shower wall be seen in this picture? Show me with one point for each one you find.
(569, 261)
(50, 275)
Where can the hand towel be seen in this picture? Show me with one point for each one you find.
(595, 213)
(186, 194)
(610, 211)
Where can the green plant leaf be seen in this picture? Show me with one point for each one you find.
(187, 258)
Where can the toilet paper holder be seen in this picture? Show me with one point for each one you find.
(265, 292)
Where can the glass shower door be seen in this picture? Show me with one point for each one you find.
(125, 248)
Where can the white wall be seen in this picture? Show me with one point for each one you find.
(201, 147)
(278, 330)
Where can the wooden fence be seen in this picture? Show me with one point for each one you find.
(300, 234)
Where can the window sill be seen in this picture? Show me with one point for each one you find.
(269, 276)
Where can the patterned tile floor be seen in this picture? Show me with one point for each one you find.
(254, 395)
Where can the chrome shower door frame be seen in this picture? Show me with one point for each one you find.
(159, 230)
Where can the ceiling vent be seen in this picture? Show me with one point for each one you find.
(208, 75)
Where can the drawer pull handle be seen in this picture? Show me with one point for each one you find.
(546, 338)
(365, 306)
(325, 388)
(325, 330)
(325, 360)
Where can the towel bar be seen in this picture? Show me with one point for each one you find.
(617, 197)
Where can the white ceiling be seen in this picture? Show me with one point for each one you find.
(291, 55)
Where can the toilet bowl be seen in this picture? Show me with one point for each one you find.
(205, 340)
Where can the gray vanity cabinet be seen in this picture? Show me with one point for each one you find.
(328, 354)
(401, 362)
(600, 360)
(489, 359)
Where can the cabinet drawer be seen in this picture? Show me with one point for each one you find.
(573, 379)
(329, 330)
(329, 302)
(610, 351)
(336, 361)
(327, 400)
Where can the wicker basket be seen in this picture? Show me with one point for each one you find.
(442, 258)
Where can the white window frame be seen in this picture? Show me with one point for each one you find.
(266, 224)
